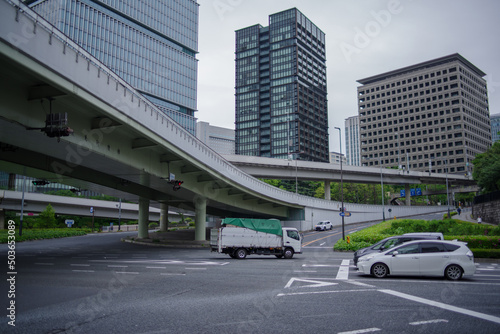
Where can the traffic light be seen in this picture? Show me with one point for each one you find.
(40, 182)
(177, 184)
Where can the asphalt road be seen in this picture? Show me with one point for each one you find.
(97, 284)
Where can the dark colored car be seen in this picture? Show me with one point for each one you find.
(390, 242)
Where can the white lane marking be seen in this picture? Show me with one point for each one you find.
(320, 265)
(116, 266)
(443, 306)
(486, 269)
(322, 243)
(360, 284)
(425, 322)
(314, 283)
(79, 265)
(127, 272)
(343, 272)
(360, 331)
(169, 274)
(195, 268)
(83, 271)
(156, 267)
(320, 292)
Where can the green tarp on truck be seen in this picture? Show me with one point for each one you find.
(272, 226)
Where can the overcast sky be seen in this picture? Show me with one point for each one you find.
(363, 38)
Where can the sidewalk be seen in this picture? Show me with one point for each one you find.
(466, 215)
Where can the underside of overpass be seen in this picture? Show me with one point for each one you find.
(109, 151)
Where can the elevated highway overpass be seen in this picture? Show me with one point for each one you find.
(121, 144)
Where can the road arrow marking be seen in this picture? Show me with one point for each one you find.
(314, 283)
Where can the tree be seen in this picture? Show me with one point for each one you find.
(47, 218)
(487, 169)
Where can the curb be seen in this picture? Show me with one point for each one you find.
(170, 244)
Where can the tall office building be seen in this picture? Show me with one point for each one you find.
(281, 98)
(434, 112)
(353, 154)
(151, 44)
(495, 127)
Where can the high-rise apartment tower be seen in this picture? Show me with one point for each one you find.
(431, 116)
(281, 98)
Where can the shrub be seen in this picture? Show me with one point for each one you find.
(153, 225)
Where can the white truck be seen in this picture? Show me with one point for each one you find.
(255, 236)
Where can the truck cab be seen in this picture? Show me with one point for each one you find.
(293, 239)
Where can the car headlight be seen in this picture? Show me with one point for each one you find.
(365, 258)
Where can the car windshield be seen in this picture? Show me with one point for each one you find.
(379, 244)
(320, 223)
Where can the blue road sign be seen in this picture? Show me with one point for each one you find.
(419, 191)
(412, 192)
(402, 193)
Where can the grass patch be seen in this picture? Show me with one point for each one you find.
(43, 233)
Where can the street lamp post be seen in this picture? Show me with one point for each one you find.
(399, 158)
(341, 183)
(382, 185)
(447, 195)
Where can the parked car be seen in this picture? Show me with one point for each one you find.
(451, 259)
(323, 226)
(394, 241)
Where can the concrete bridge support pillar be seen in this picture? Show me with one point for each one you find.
(407, 195)
(143, 218)
(200, 218)
(327, 190)
(164, 217)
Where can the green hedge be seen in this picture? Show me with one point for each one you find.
(486, 253)
(478, 237)
(37, 234)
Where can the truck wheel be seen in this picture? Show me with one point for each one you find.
(288, 254)
(240, 253)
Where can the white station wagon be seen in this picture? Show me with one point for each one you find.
(451, 259)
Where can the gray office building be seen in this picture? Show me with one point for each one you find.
(281, 98)
(219, 139)
(151, 44)
(429, 116)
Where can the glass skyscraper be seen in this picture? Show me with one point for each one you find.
(151, 44)
(281, 98)
(495, 127)
(352, 151)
